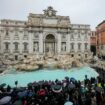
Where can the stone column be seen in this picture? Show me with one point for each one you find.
(59, 43)
(68, 43)
(82, 44)
(41, 43)
(43, 47)
(12, 44)
(1, 42)
(76, 46)
(30, 47)
(21, 43)
(55, 48)
(0, 46)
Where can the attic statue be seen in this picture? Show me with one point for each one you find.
(50, 12)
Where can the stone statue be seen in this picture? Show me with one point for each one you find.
(50, 12)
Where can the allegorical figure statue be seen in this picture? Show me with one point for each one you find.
(50, 12)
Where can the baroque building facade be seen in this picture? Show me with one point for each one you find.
(42, 34)
(93, 42)
(100, 33)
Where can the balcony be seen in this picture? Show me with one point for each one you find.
(86, 50)
(16, 51)
(6, 51)
(79, 50)
(72, 39)
(72, 50)
(25, 51)
(7, 38)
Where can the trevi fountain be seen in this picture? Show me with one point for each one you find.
(45, 68)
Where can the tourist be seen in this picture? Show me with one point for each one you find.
(57, 92)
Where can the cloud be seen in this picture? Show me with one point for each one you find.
(80, 11)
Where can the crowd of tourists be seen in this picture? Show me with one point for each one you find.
(65, 92)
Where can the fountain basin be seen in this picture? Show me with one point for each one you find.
(24, 78)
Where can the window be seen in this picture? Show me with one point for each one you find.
(79, 46)
(85, 55)
(16, 57)
(72, 37)
(6, 56)
(16, 37)
(2, 31)
(86, 45)
(85, 37)
(7, 34)
(25, 37)
(25, 46)
(72, 46)
(11, 31)
(102, 47)
(36, 36)
(21, 31)
(7, 22)
(79, 54)
(16, 45)
(7, 46)
(79, 36)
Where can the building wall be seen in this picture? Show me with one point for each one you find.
(100, 32)
(19, 39)
(93, 42)
(93, 38)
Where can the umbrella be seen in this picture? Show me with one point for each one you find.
(30, 84)
(56, 88)
(35, 84)
(71, 86)
(68, 103)
(41, 92)
(99, 89)
(30, 94)
(18, 102)
(5, 100)
(67, 78)
(20, 89)
(41, 82)
(22, 94)
(3, 85)
(83, 89)
(72, 79)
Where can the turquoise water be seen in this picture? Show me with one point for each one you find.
(25, 77)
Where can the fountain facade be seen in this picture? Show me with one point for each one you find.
(44, 33)
(48, 61)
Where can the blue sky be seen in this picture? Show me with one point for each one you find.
(80, 11)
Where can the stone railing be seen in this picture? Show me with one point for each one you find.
(25, 51)
(16, 51)
(6, 51)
